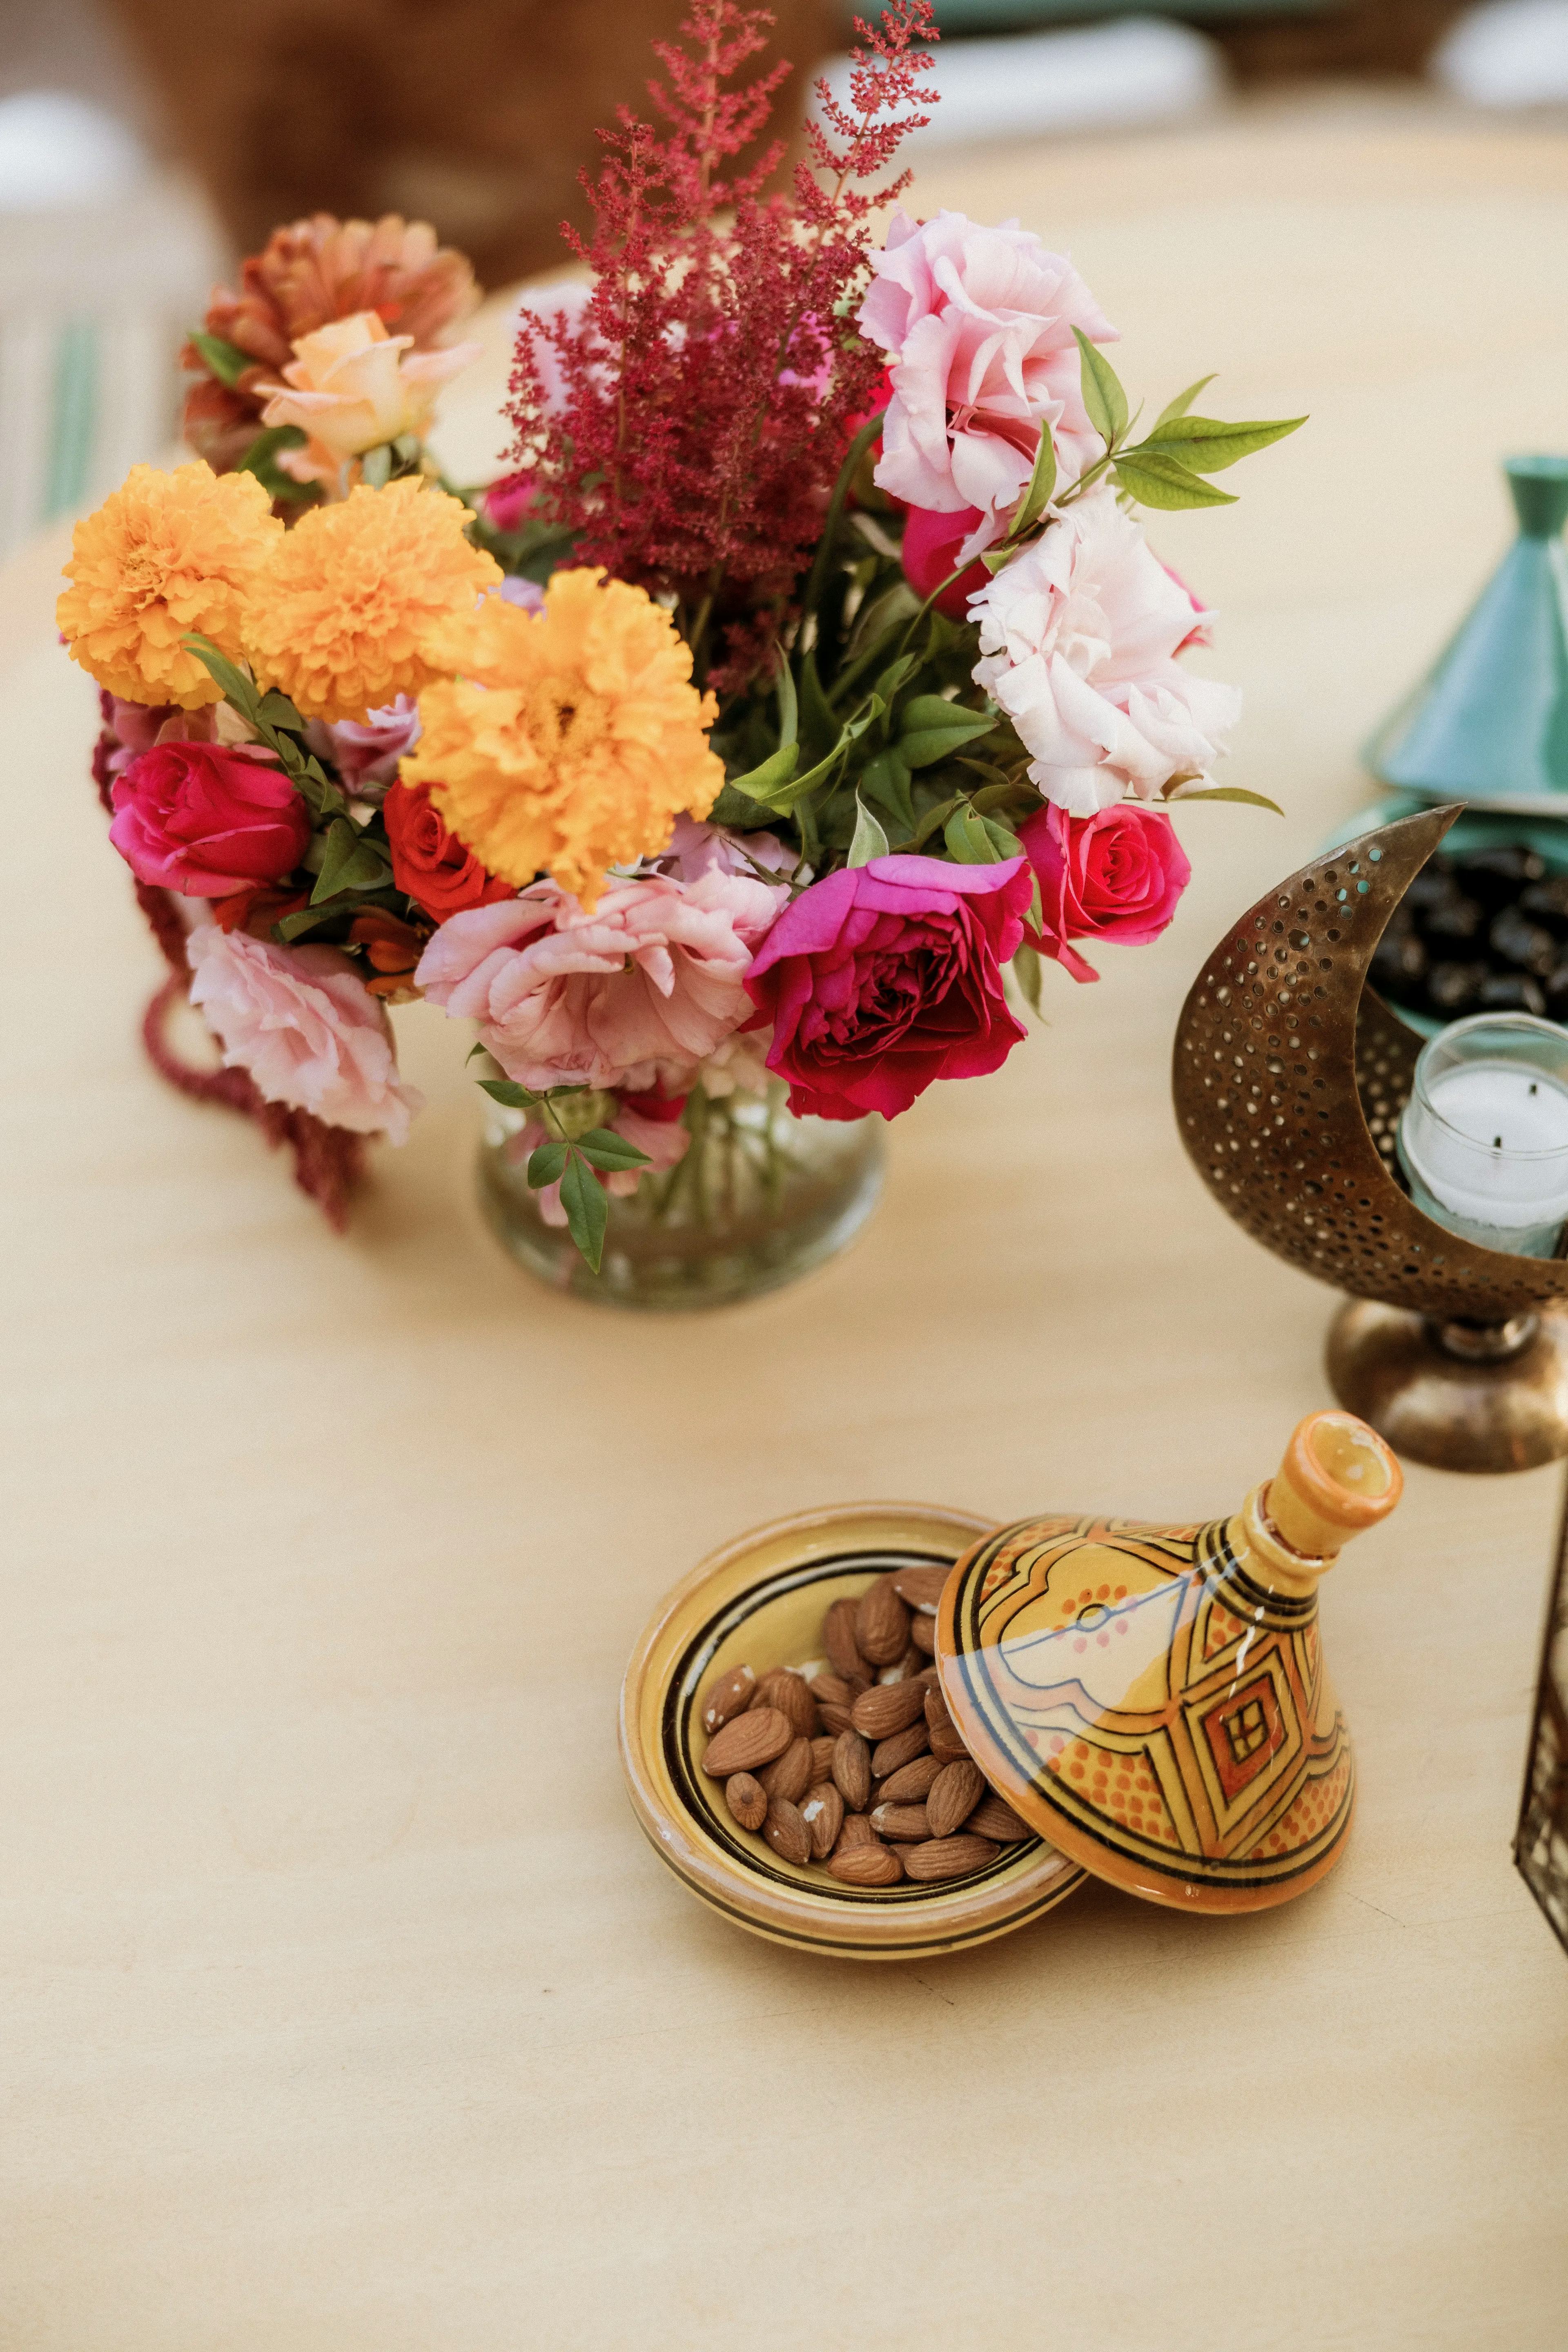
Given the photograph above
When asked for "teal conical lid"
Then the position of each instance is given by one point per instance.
(1490, 722)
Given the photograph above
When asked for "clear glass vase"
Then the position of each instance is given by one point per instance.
(760, 1197)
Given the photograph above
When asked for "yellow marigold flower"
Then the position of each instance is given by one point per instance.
(343, 616)
(573, 737)
(163, 555)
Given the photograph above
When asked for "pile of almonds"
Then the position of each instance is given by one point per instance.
(853, 1761)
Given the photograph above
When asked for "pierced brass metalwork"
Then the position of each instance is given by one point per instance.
(1290, 1077)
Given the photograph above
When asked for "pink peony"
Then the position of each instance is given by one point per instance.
(634, 995)
(882, 978)
(979, 321)
(1114, 875)
(204, 819)
(1078, 636)
(304, 1025)
(365, 751)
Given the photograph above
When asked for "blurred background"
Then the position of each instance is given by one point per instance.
(146, 145)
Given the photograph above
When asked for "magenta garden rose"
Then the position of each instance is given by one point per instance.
(883, 978)
(205, 819)
(1114, 875)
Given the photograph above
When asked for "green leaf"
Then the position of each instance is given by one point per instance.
(1003, 840)
(789, 705)
(236, 688)
(1027, 972)
(869, 840)
(883, 617)
(1181, 403)
(545, 1164)
(1226, 792)
(604, 1148)
(227, 361)
(261, 459)
(1207, 446)
(1037, 496)
(893, 676)
(1102, 395)
(351, 861)
(775, 769)
(934, 729)
(886, 780)
(933, 822)
(968, 838)
(818, 722)
(276, 710)
(376, 466)
(1156, 480)
(587, 1209)
(869, 432)
(507, 1092)
(740, 811)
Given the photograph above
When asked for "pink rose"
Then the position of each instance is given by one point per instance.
(931, 544)
(882, 978)
(1079, 639)
(365, 751)
(204, 819)
(1114, 876)
(634, 995)
(305, 1027)
(506, 503)
(980, 323)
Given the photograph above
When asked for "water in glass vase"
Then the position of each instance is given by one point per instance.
(758, 1198)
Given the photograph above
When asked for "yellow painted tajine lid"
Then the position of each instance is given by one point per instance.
(1152, 1699)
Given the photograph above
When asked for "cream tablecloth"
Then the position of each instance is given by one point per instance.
(344, 2005)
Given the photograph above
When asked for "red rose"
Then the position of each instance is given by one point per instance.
(880, 978)
(931, 542)
(207, 819)
(435, 870)
(1114, 876)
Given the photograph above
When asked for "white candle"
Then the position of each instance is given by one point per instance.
(1484, 1138)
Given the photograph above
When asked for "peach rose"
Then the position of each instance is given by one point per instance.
(351, 386)
(304, 1025)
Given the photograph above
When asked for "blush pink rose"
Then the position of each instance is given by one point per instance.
(979, 322)
(1114, 875)
(305, 1027)
(205, 819)
(365, 751)
(634, 995)
(880, 979)
(1079, 639)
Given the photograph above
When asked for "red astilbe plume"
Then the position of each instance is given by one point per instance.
(687, 420)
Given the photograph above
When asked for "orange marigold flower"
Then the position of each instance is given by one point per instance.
(343, 616)
(165, 554)
(572, 738)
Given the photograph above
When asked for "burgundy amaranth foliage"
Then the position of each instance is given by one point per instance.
(688, 421)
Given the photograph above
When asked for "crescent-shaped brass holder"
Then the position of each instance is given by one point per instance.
(1289, 1075)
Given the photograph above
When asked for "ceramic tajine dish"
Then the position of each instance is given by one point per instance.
(761, 1601)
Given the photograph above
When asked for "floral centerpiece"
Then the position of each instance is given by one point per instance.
(737, 760)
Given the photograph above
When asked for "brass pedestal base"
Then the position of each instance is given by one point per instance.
(1460, 1396)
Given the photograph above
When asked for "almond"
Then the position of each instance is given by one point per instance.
(790, 1693)
(790, 1777)
(823, 1813)
(857, 1831)
(953, 1857)
(900, 1822)
(993, 1818)
(921, 1587)
(822, 1749)
(922, 1635)
(832, 1687)
(748, 1741)
(945, 1743)
(887, 1707)
(838, 1641)
(836, 1719)
(882, 1623)
(902, 1668)
(747, 1800)
(910, 1785)
(730, 1695)
(892, 1755)
(787, 1833)
(852, 1769)
(955, 1793)
(867, 1865)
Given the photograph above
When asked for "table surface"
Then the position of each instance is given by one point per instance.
(344, 2006)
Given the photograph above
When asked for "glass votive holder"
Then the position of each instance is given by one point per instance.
(1484, 1137)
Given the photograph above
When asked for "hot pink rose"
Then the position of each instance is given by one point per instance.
(980, 324)
(204, 819)
(634, 995)
(882, 978)
(1115, 876)
(506, 503)
(931, 544)
(304, 1024)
